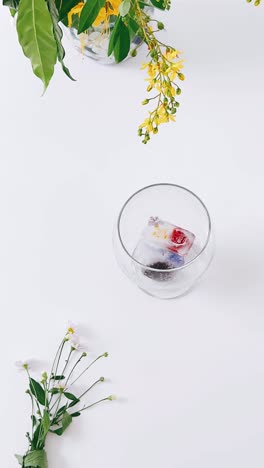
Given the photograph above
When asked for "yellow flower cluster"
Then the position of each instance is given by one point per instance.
(163, 69)
(111, 8)
(167, 68)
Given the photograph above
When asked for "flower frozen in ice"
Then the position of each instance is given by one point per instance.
(22, 365)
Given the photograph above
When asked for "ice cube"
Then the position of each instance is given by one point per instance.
(159, 259)
(151, 254)
(168, 236)
(162, 247)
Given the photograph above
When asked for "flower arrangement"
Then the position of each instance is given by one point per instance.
(53, 404)
(40, 36)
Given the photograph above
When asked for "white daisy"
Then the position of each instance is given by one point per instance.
(71, 330)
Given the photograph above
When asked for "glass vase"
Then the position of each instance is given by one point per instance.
(95, 41)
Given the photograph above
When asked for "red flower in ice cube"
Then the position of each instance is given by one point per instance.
(178, 237)
(181, 241)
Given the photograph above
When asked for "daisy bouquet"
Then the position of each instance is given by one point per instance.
(54, 406)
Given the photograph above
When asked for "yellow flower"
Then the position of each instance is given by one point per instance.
(172, 54)
(101, 18)
(147, 124)
(111, 8)
(160, 233)
(76, 10)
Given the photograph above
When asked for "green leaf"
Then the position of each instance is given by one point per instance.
(122, 45)
(54, 391)
(37, 391)
(114, 35)
(35, 34)
(73, 403)
(70, 396)
(36, 459)
(20, 459)
(75, 415)
(89, 14)
(58, 377)
(45, 424)
(61, 410)
(35, 438)
(64, 6)
(58, 36)
(66, 421)
(124, 7)
(34, 419)
(132, 24)
(11, 3)
(159, 4)
(59, 431)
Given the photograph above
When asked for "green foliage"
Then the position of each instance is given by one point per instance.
(89, 14)
(161, 4)
(36, 459)
(11, 3)
(34, 420)
(57, 377)
(114, 36)
(134, 27)
(71, 397)
(61, 410)
(75, 415)
(119, 41)
(37, 391)
(54, 390)
(122, 43)
(73, 403)
(36, 435)
(65, 6)
(66, 421)
(58, 36)
(45, 424)
(35, 34)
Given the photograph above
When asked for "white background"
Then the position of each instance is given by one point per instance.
(189, 372)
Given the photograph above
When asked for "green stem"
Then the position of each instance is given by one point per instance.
(86, 391)
(59, 399)
(75, 365)
(88, 367)
(93, 404)
(56, 356)
(32, 414)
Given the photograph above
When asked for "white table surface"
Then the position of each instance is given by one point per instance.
(190, 372)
